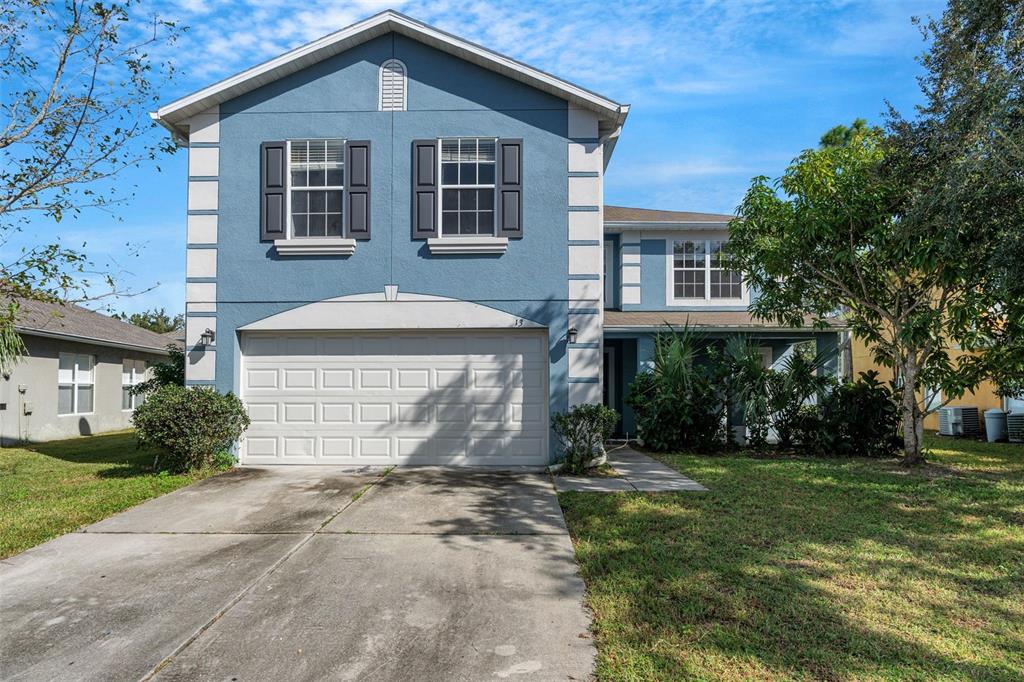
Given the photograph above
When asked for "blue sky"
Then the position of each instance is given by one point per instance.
(720, 92)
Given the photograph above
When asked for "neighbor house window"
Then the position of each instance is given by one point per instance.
(316, 176)
(75, 383)
(133, 372)
(700, 272)
(467, 186)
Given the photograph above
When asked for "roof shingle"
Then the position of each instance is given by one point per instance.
(74, 320)
(625, 214)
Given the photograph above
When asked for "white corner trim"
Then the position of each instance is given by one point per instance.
(467, 245)
(330, 246)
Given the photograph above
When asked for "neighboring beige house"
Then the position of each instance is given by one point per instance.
(75, 379)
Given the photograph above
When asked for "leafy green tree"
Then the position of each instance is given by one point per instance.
(73, 115)
(170, 373)
(841, 135)
(156, 320)
(907, 231)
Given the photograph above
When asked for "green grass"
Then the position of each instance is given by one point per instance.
(812, 569)
(49, 489)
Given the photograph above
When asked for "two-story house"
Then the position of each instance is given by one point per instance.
(398, 252)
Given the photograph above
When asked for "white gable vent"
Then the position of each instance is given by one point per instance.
(392, 85)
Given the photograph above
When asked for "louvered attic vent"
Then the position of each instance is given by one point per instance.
(392, 86)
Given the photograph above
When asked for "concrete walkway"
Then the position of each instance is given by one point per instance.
(638, 473)
(308, 573)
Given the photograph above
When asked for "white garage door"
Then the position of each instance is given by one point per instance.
(476, 398)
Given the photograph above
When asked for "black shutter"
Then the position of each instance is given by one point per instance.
(273, 166)
(510, 189)
(424, 189)
(357, 189)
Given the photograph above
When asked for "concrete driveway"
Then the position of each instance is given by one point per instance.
(308, 573)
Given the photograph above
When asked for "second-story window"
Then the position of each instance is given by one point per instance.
(467, 186)
(316, 174)
(700, 272)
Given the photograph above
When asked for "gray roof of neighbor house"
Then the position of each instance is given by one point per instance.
(73, 322)
(723, 320)
(625, 214)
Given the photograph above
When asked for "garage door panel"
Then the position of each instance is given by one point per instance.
(424, 398)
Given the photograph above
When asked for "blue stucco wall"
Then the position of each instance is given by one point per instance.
(446, 97)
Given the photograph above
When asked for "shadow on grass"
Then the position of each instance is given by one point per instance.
(808, 568)
(119, 449)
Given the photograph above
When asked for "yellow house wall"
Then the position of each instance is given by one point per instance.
(984, 397)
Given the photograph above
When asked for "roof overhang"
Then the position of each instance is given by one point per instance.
(63, 336)
(175, 116)
(626, 226)
(375, 312)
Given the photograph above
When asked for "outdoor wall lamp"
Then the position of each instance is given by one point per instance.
(571, 335)
(207, 338)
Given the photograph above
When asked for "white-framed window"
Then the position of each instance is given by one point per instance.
(316, 183)
(393, 83)
(75, 383)
(932, 397)
(468, 186)
(133, 372)
(699, 273)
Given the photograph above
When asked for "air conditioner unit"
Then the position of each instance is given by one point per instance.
(959, 421)
(1015, 427)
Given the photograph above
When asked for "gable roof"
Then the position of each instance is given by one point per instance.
(648, 216)
(75, 323)
(174, 116)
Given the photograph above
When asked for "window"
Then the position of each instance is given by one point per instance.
(316, 176)
(392, 86)
(699, 271)
(75, 384)
(467, 186)
(132, 372)
(932, 398)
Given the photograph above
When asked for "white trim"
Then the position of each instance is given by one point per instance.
(707, 301)
(315, 246)
(373, 312)
(174, 115)
(404, 103)
(454, 244)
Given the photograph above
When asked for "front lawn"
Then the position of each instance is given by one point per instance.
(812, 569)
(49, 489)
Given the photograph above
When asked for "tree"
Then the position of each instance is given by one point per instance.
(841, 135)
(170, 373)
(156, 320)
(905, 230)
(77, 88)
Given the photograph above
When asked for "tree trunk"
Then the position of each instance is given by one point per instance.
(913, 420)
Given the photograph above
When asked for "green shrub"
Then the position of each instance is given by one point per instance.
(582, 431)
(223, 460)
(861, 419)
(679, 404)
(191, 426)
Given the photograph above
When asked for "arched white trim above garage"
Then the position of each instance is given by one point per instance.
(374, 312)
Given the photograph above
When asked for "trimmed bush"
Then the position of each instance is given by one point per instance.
(582, 431)
(191, 426)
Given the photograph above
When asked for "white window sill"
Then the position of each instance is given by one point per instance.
(464, 245)
(315, 246)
